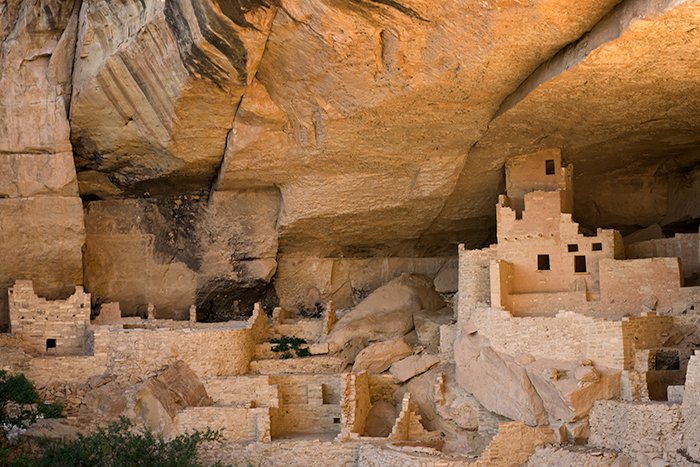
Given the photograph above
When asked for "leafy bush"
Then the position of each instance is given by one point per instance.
(120, 446)
(54, 410)
(18, 389)
(286, 344)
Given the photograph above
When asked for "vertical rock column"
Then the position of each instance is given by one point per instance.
(41, 216)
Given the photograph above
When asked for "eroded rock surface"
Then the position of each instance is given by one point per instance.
(176, 252)
(156, 86)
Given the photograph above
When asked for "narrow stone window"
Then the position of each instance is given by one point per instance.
(597, 247)
(543, 262)
(579, 263)
(336, 420)
(549, 166)
(573, 247)
(50, 344)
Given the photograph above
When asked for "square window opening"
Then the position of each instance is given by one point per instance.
(573, 247)
(549, 166)
(50, 344)
(543, 262)
(597, 247)
(579, 264)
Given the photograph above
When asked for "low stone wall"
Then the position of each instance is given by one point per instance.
(74, 370)
(288, 454)
(294, 389)
(308, 329)
(305, 418)
(683, 246)
(319, 364)
(644, 430)
(238, 423)
(139, 353)
(572, 336)
(240, 390)
(624, 284)
(561, 456)
(396, 456)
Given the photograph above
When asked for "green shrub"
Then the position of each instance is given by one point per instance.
(18, 389)
(286, 344)
(54, 410)
(120, 446)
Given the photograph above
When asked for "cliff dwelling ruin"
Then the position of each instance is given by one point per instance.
(356, 233)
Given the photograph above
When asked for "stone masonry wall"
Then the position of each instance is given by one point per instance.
(289, 454)
(240, 390)
(137, 353)
(645, 431)
(571, 336)
(238, 423)
(305, 418)
(514, 444)
(683, 246)
(54, 327)
(474, 280)
(624, 284)
(354, 403)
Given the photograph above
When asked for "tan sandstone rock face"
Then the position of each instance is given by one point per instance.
(371, 108)
(378, 357)
(407, 368)
(41, 221)
(156, 86)
(388, 311)
(108, 399)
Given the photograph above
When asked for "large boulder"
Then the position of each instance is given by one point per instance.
(183, 382)
(160, 398)
(380, 419)
(497, 381)
(378, 357)
(388, 311)
(107, 399)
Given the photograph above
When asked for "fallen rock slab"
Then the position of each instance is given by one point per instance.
(377, 358)
(497, 381)
(405, 369)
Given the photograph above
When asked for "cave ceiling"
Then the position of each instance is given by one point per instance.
(385, 125)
